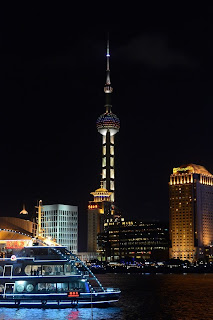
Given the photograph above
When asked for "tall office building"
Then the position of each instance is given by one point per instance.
(191, 212)
(102, 206)
(60, 222)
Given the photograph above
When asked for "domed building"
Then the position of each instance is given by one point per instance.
(98, 210)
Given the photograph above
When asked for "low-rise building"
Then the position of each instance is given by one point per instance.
(133, 240)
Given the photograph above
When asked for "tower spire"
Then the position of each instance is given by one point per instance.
(107, 88)
(108, 56)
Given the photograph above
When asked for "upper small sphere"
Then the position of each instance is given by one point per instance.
(108, 122)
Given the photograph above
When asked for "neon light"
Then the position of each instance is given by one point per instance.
(15, 244)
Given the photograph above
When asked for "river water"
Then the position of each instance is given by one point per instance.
(144, 297)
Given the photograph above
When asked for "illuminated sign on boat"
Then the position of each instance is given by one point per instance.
(73, 294)
(13, 244)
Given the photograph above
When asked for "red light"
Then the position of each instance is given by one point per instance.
(73, 294)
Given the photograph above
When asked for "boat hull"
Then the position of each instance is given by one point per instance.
(100, 299)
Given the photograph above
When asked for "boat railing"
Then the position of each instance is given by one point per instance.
(98, 289)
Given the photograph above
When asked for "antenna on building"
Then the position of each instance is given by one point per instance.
(39, 230)
(107, 87)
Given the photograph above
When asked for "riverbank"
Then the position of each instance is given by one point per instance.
(205, 268)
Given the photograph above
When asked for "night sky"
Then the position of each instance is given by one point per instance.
(53, 73)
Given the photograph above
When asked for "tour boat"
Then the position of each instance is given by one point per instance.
(41, 275)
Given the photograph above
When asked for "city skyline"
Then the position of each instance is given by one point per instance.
(161, 83)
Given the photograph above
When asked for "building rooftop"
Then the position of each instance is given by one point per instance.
(191, 168)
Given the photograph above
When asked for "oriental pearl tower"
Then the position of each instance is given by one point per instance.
(108, 124)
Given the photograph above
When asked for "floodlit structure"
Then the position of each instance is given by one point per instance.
(131, 239)
(102, 206)
(191, 212)
(60, 222)
(98, 210)
(108, 125)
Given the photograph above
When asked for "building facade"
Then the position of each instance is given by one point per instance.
(191, 212)
(133, 240)
(98, 210)
(19, 225)
(60, 222)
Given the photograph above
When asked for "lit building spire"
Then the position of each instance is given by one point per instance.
(107, 88)
(23, 211)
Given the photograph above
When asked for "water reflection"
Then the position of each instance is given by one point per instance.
(143, 297)
(65, 314)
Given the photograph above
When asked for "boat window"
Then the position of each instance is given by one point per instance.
(17, 270)
(41, 286)
(51, 287)
(62, 287)
(33, 270)
(73, 285)
(47, 287)
(59, 270)
(67, 269)
(48, 270)
(70, 268)
(1, 288)
(23, 286)
(40, 251)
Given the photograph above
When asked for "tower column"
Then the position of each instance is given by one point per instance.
(108, 124)
(108, 160)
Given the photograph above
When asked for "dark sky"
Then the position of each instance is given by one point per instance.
(53, 73)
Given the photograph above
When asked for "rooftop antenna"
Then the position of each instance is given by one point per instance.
(39, 230)
(108, 82)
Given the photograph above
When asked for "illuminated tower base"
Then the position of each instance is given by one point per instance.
(98, 210)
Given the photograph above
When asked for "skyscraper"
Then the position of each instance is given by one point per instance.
(191, 212)
(60, 222)
(108, 125)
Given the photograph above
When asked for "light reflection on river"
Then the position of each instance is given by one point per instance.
(144, 296)
(68, 314)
